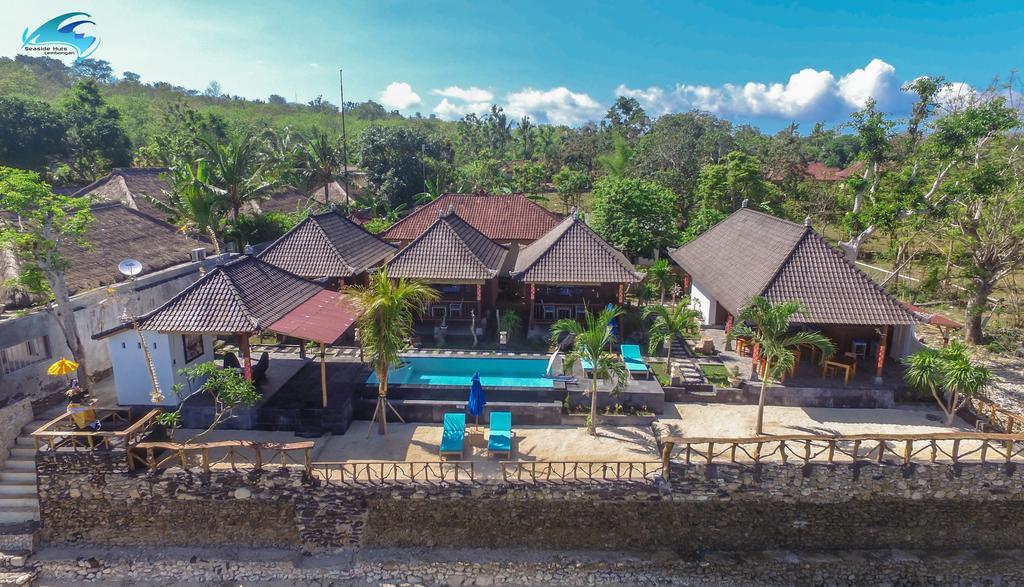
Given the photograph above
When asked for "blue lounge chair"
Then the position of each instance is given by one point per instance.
(501, 434)
(634, 360)
(454, 436)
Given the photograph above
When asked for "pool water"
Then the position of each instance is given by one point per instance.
(458, 372)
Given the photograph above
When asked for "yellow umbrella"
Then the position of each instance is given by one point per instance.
(62, 367)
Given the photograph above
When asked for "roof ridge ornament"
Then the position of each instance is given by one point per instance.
(807, 221)
(575, 212)
(745, 203)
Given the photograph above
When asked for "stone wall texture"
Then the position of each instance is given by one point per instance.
(93, 498)
(13, 417)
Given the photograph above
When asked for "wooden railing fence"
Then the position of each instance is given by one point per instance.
(1003, 419)
(229, 454)
(578, 470)
(395, 471)
(901, 449)
(61, 432)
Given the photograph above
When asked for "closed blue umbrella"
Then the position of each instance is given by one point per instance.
(614, 325)
(477, 401)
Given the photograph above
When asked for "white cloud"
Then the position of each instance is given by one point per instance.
(456, 110)
(399, 95)
(470, 94)
(554, 106)
(808, 95)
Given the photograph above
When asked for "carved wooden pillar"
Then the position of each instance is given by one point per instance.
(533, 294)
(243, 349)
(880, 359)
(622, 293)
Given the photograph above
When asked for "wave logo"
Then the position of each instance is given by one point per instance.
(58, 37)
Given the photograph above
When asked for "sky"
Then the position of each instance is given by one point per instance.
(559, 62)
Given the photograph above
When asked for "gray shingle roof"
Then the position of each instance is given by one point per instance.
(572, 253)
(449, 249)
(243, 295)
(327, 245)
(753, 254)
(130, 186)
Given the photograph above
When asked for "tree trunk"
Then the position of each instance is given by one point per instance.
(976, 310)
(327, 203)
(213, 239)
(65, 315)
(951, 414)
(592, 426)
(382, 400)
(669, 359)
(759, 430)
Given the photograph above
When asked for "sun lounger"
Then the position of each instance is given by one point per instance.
(501, 434)
(454, 436)
(634, 360)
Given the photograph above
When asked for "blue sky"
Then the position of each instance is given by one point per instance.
(561, 62)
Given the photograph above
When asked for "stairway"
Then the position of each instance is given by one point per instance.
(19, 502)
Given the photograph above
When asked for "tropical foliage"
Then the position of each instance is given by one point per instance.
(591, 340)
(949, 375)
(775, 339)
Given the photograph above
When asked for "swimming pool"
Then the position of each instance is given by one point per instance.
(457, 372)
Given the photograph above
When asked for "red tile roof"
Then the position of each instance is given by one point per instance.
(502, 217)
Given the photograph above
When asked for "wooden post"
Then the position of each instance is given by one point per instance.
(755, 360)
(686, 284)
(479, 300)
(530, 309)
(243, 349)
(880, 360)
(622, 293)
(323, 372)
(728, 329)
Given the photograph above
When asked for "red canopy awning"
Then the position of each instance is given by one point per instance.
(322, 318)
(934, 318)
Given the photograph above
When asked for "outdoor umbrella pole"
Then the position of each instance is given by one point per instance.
(323, 372)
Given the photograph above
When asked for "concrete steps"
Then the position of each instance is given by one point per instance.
(19, 501)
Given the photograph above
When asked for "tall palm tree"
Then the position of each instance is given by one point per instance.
(661, 275)
(385, 327)
(240, 170)
(322, 158)
(681, 321)
(948, 374)
(590, 343)
(771, 333)
(191, 205)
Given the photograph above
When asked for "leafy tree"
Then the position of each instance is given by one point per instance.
(95, 140)
(676, 148)
(239, 170)
(678, 322)
(525, 136)
(634, 214)
(948, 374)
(228, 389)
(323, 157)
(260, 228)
(131, 77)
(703, 219)
(483, 175)
(31, 133)
(529, 177)
(96, 69)
(191, 205)
(398, 161)
(176, 141)
(385, 327)
(628, 118)
(213, 90)
(724, 186)
(570, 185)
(772, 335)
(661, 275)
(277, 99)
(36, 225)
(591, 340)
(616, 162)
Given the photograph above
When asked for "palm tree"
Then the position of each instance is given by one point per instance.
(191, 205)
(385, 327)
(771, 333)
(681, 321)
(661, 275)
(322, 158)
(948, 374)
(590, 344)
(240, 170)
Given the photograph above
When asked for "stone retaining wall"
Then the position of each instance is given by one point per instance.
(92, 498)
(13, 417)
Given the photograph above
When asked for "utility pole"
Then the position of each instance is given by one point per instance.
(344, 135)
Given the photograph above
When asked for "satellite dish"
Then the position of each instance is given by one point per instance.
(129, 267)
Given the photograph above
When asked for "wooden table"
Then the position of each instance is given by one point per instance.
(848, 365)
(812, 351)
